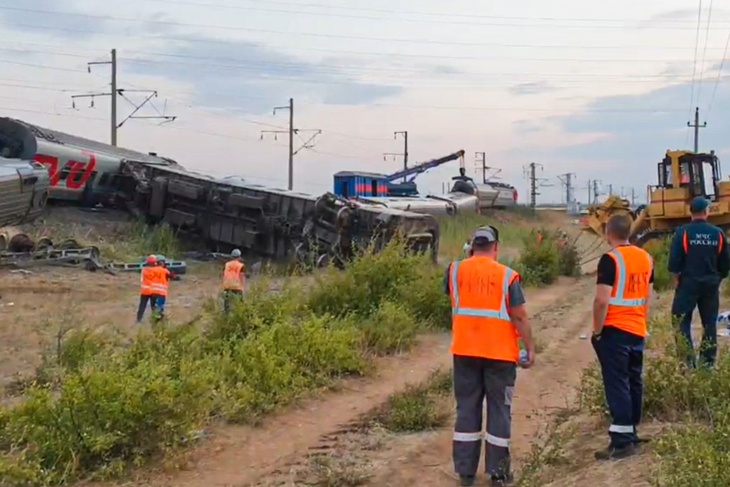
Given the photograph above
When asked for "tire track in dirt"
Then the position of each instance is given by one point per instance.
(238, 456)
(539, 392)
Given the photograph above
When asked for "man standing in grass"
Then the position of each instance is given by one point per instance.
(234, 280)
(699, 260)
(620, 311)
(488, 317)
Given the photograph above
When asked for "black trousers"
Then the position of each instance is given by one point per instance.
(143, 300)
(706, 298)
(621, 355)
(476, 380)
(229, 296)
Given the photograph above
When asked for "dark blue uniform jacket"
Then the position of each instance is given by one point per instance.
(699, 253)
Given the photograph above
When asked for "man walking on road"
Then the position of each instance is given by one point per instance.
(620, 311)
(699, 260)
(488, 317)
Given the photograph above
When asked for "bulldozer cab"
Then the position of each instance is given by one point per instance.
(698, 173)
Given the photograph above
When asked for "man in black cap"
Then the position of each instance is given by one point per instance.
(699, 259)
(488, 320)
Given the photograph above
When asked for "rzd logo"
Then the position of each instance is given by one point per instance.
(78, 172)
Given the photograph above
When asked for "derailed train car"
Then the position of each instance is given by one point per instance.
(80, 170)
(24, 189)
(225, 212)
(274, 223)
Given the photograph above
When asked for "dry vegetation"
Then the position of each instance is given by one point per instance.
(105, 396)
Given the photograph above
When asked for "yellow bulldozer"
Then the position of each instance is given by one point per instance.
(682, 176)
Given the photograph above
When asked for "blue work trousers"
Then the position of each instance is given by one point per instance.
(621, 356)
(706, 298)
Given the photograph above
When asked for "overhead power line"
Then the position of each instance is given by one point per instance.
(379, 53)
(541, 22)
(719, 73)
(694, 63)
(369, 69)
(219, 28)
(390, 12)
(704, 52)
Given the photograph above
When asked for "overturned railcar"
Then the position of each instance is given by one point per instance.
(273, 223)
(24, 189)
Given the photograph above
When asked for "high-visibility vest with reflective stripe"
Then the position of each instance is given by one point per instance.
(163, 281)
(232, 276)
(147, 280)
(631, 289)
(481, 325)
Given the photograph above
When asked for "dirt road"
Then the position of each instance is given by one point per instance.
(242, 456)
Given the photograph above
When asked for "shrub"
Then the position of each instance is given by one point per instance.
(282, 362)
(389, 330)
(109, 411)
(109, 405)
(660, 253)
(695, 452)
(377, 277)
(419, 407)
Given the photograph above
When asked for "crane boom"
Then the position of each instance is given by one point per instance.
(423, 167)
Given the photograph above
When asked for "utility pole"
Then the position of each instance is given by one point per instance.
(610, 189)
(531, 172)
(595, 190)
(633, 197)
(403, 154)
(588, 201)
(292, 132)
(567, 180)
(115, 91)
(481, 159)
(697, 128)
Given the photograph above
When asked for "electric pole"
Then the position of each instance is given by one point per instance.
(595, 190)
(588, 201)
(697, 128)
(633, 197)
(115, 91)
(610, 189)
(531, 172)
(292, 132)
(403, 154)
(481, 159)
(567, 180)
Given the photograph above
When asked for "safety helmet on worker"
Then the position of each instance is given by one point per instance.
(236, 253)
(161, 258)
(151, 259)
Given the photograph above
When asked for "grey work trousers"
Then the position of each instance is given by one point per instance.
(474, 379)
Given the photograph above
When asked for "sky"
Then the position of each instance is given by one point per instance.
(600, 90)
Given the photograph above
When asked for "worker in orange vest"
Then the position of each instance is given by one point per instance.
(163, 278)
(620, 310)
(149, 287)
(234, 280)
(488, 320)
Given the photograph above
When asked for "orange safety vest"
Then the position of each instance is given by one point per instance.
(232, 276)
(627, 306)
(163, 281)
(480, 321)
(148, 281)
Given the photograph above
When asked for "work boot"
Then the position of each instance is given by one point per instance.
(501, 480)
(467, 480)
(616, 453)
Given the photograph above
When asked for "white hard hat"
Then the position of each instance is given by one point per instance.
(236, 253)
